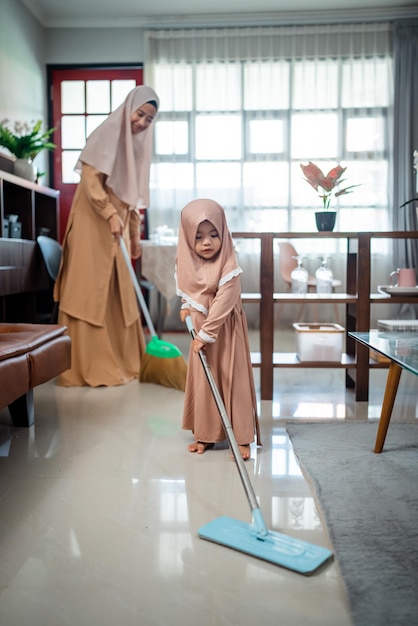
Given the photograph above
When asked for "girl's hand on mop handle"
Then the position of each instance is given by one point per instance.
(184, 314)
(197, 344)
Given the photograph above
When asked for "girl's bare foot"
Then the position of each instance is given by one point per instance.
(199, 446)
(245, 451)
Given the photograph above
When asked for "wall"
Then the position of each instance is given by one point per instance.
(26, 48)
(97, 46)
(22, 68)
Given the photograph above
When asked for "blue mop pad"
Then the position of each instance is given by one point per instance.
(280, 549)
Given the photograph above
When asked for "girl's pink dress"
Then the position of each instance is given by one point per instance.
(212, 291)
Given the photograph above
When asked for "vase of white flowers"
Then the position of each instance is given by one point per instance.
(25, 142)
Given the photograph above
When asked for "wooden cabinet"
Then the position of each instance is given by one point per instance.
(37, 207)
(23, 278)
(357, 301)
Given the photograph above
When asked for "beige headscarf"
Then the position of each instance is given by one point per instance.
(125, 158)
(199, 279)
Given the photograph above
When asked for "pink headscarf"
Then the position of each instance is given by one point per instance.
(125, 158)
(199, 279)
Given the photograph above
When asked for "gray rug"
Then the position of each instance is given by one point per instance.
(370, 505)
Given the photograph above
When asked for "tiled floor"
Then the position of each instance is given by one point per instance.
(101, 503)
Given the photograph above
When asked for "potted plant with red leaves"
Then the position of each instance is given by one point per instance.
(326, 187)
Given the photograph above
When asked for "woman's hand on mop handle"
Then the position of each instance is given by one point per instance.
(116, 226)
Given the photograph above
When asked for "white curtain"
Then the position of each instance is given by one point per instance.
(406, 135)
(242, 108)
(405, 144)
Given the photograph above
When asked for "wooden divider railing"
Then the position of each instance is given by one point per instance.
(357, 301)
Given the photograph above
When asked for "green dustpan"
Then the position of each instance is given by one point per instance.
(162, 349)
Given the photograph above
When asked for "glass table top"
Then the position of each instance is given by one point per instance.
(401, 347)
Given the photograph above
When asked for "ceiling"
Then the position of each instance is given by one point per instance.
(123, 13)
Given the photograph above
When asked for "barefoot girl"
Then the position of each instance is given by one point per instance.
(208, 282)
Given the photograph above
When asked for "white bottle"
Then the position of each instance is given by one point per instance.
(324, 278)
(299, 277)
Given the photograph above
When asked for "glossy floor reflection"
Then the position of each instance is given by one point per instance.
(101, 503)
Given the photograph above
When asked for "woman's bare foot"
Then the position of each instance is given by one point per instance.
(245, 451)
(199, 446)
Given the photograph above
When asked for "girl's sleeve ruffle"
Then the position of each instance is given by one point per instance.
(190, 303)
(225, 279)
(205, 337)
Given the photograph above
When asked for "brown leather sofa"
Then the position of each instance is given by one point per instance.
(30, 355)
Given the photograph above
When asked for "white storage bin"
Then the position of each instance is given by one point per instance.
(319, 342)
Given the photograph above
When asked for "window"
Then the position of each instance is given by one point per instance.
(238, 129)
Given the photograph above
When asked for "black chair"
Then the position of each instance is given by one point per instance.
(51, 251)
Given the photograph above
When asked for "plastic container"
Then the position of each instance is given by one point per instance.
(319, 342)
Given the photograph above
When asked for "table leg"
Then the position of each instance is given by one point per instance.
(392, 383)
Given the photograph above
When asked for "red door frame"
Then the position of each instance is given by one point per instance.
(57, 74)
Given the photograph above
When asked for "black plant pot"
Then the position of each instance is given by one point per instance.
(325, 220)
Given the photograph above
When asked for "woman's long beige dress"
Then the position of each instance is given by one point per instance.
(96, 296)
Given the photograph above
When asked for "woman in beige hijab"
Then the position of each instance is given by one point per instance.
(208, 282)
(96, 297)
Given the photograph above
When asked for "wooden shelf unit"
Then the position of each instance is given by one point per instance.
(357, 300)
(37, 207)
(24, 282)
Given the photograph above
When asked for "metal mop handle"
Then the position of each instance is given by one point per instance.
(137, 288)
(250, 493)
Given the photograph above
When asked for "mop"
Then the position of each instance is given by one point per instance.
(255, 539)
(162, 363)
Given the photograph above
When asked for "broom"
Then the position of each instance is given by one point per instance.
(162, 363)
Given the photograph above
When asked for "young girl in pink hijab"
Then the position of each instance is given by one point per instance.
(96, 297)
(208, 282)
